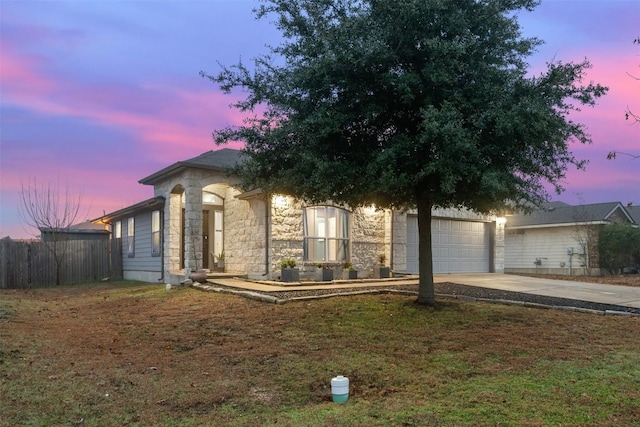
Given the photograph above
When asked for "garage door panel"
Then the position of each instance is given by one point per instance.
(458, 246)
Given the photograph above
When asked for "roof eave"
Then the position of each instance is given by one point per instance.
(145, 205)
(251, 194)
(175, 169)
(555, 225)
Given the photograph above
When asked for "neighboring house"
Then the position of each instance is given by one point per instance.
(560, 238)
(199, 212)
(82, 231)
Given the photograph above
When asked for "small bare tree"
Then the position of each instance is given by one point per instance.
(628, 115)
(52, 211)
(586, 237)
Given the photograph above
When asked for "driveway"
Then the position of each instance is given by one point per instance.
(626, 296)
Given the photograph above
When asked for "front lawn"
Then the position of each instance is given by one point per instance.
(138, 355)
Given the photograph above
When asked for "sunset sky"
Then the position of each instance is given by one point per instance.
(99, 94)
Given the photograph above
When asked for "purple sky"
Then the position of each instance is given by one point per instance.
(100, 94)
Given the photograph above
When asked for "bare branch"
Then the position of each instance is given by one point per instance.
(47, 206)
(631, 115)
(613, 154)
(52, 211)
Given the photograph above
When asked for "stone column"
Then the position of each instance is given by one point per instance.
(172, 234)
(498, 258)
(399, 241)
(193, 228)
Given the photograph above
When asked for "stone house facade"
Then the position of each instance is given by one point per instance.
(202, 214)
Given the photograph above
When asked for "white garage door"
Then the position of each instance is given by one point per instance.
(458, 246)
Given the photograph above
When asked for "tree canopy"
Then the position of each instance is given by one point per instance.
(407, 104)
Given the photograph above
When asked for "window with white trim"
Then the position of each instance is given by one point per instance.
(155, 233)
(117, 230)
(131, 238)
(326, 234)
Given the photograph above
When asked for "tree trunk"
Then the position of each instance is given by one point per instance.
(426, 290)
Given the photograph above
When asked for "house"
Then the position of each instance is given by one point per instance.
(199, 212)
(82, 231)
(559, 238)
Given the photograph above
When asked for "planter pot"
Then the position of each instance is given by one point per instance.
(349, 274)
(382, 272)
(290, 274)
(220, 265)
(324, 275)
(199, 276)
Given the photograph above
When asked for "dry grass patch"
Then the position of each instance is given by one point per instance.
(130, 354)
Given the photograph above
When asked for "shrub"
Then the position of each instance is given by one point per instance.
(619, 247)
(288, 263)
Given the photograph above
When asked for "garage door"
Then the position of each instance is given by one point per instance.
(458, 246)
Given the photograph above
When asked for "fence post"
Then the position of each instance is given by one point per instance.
(4, 262)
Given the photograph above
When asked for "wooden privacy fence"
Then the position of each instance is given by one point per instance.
(32, 265)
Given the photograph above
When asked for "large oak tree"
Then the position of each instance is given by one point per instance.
(406, 104)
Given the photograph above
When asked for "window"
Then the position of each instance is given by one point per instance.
(117, 232)
(155, 233)
(130, 237)
(326, 234)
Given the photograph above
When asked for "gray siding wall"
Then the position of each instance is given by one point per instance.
(142, 259)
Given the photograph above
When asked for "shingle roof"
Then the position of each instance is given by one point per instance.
(220, 160)
(556, 213)
(634, 211)
(223, 159)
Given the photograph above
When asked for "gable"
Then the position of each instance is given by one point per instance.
(219, 160)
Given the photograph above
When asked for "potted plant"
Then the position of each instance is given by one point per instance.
(288, 270)
(348, 271)
(324, 273)
(193, 269)
(220, 261)
(382, 271)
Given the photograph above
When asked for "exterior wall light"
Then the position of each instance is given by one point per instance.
(501, 220)
(369, 210)
(280, 201)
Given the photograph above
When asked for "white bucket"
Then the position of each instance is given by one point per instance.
(340, 389)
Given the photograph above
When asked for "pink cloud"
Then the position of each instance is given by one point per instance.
(163, 118)
(18, 73)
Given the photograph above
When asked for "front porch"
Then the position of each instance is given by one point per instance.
(280, 292)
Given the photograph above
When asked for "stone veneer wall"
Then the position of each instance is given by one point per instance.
(369, 239)
(286, 234)
(399, 228)
(244, 235)
(499, 248)
(367, 232)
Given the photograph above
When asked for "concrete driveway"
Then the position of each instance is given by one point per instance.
(626, 296)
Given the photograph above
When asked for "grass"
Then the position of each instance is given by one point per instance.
(137, 355)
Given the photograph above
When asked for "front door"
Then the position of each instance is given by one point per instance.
(212, 237)
(205, 240)
(218, 238)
